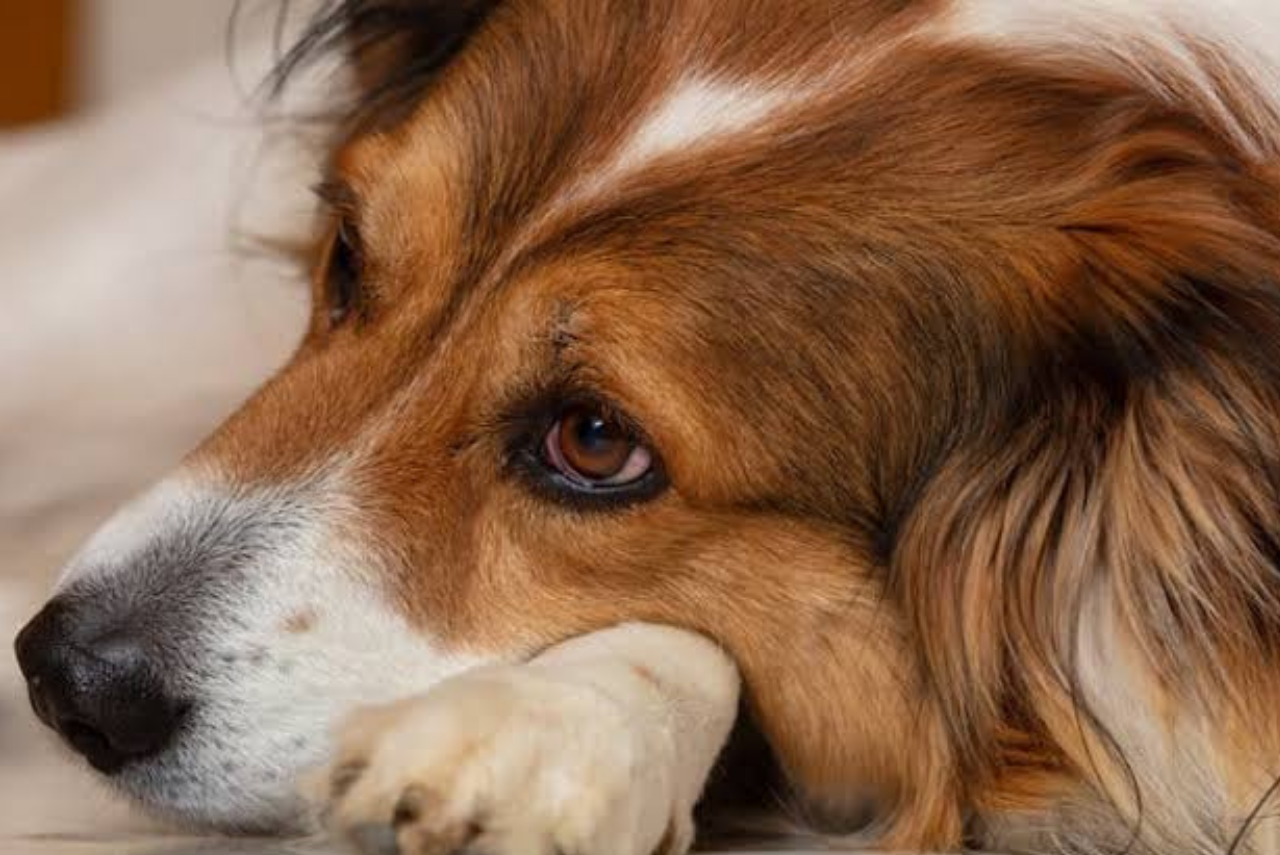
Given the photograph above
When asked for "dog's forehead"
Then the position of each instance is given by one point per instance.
(558, 110)
(624, 197)
(698, 190)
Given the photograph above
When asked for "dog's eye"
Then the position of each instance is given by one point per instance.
(342, 275)
(592, 450)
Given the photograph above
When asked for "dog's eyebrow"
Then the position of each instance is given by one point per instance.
(563, 333)
(337, 194)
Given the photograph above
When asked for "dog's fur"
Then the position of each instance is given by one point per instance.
(956, 326)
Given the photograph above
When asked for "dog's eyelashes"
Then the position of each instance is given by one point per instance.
(343, 272)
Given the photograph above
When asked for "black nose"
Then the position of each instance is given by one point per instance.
(96, 687)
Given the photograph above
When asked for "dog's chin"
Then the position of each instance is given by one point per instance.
(282, 817)
(203, 783)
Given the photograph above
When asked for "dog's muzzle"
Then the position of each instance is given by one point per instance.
(203, 645)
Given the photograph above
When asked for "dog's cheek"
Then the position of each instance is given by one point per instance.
(313, 635)
(802, 611)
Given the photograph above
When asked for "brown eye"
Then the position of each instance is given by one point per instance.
(593, 450)
(343, 274)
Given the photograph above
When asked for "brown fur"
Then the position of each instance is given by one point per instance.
(938, 360)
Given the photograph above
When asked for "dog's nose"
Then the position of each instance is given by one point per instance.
(96, 688)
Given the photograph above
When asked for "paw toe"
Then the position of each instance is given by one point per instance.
(413, 803)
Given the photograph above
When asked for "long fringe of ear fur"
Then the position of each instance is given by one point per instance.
(1097, 584)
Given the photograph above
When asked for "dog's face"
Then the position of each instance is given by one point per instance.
(576, 357)
(672, 313)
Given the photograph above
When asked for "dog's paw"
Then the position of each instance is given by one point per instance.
(508, 761)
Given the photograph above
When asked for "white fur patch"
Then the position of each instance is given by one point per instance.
(300, 634)
(132, 527)
(1251, 23)
(1131, 35)
(1047, 15)
(699, 110)
(274, 697)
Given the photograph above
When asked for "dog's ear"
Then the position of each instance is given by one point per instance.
(1107, 546)
(394, 48)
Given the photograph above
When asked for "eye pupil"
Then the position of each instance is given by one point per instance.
(594, 446)
(594, 435)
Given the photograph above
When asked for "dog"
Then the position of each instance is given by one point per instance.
(871, 403)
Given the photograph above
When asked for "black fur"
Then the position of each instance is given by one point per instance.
(396, 46)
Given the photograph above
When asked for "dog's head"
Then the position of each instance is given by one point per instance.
(809, 326)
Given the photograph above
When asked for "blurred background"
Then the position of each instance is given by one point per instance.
(137, 184)
(63, 56)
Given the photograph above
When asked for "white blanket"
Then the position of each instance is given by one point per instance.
(131, 321)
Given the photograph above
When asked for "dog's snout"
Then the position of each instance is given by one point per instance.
(97, 688)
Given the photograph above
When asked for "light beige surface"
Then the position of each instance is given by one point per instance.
(97, 844)
(126, 44)
(133, 322)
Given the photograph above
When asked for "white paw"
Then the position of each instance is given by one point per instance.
(508, 761)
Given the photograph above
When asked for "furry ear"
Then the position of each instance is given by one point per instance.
(395, 48)
(1095, 578)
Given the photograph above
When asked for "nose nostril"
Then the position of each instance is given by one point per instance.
(38, 703)
(93, 744)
